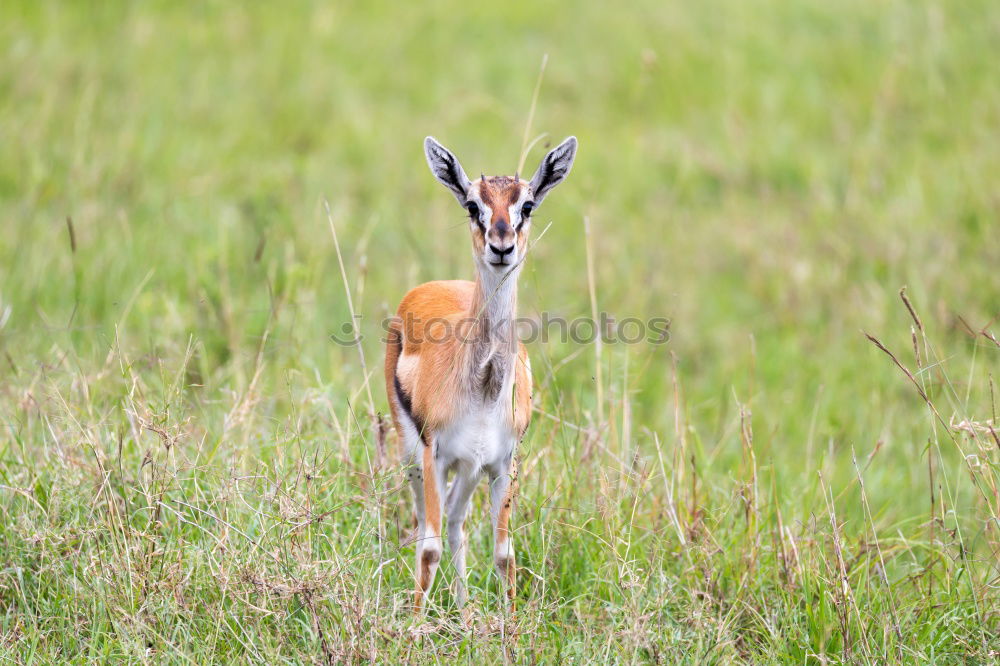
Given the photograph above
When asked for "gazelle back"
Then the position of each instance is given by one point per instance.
(457, 378)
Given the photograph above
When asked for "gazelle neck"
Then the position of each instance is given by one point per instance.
(494, 306)
(490, 363)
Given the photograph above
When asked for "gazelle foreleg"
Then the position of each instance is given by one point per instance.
(503, 488)
(457, 509)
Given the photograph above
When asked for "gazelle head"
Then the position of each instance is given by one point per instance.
(500, 207)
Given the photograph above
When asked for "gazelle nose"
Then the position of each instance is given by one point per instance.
(501, 253)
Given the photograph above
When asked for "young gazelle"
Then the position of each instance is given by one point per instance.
(458, 381)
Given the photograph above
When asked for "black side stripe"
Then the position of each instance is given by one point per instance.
(404, 400)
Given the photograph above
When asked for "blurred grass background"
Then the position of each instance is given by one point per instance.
(187, 467)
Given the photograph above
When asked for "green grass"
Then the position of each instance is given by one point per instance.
(187, 468)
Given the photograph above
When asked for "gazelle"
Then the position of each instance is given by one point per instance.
(457, 378)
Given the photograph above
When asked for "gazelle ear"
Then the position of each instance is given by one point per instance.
(553, 168)
(445, 167)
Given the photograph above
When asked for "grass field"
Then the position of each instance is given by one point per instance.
(188, 470)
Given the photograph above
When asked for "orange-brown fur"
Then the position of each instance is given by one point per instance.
(421, 322)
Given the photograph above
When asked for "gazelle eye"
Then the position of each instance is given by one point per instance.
(525, 213)
(473, 209)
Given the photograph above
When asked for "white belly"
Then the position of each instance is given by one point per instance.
(480, 438)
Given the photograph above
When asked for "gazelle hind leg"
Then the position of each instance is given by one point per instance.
(416, 478)
(429, 538)
(503, 488)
